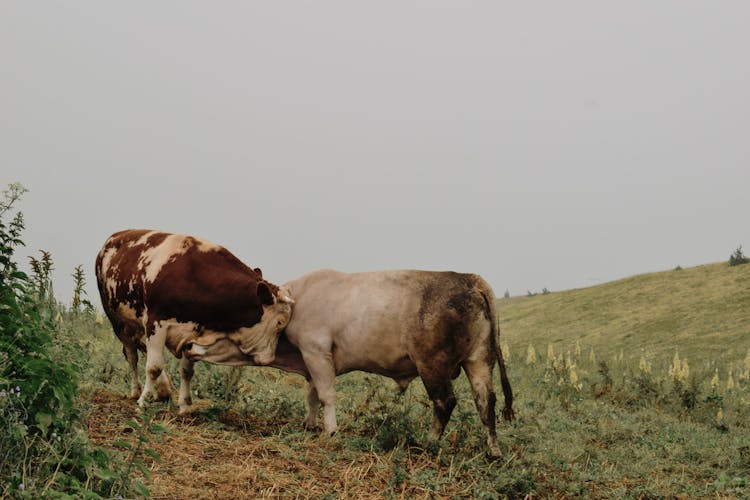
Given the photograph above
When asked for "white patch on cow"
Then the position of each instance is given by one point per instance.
(142, 240)
(111, 285)
(154, 258)
(206, 246)
(107, 259)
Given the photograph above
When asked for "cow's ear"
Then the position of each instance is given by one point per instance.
(258, 272)
(264, 293)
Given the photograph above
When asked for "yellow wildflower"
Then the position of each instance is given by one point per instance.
(530, 355)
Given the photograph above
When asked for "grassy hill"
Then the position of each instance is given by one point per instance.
(584, 428)
(703, 312)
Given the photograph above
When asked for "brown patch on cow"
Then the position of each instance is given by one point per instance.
(154, 372)
(212, 288)
(221, 301)
(447, 300)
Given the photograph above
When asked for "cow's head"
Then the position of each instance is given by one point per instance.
(248, 345)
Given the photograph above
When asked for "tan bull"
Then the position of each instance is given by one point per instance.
(401, 324)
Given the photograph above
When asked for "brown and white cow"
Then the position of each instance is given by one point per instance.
(168, 289)
(401, 324)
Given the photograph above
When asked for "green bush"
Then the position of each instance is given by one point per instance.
(737, 258)
(44, 450)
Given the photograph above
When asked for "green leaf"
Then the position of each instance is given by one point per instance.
(122, 444)
(43, 421)
(153, 454)
(141, 488)
(142, 467)
(157, 429)
(105, 474)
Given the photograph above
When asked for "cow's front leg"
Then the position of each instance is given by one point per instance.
(156, 378)
(186, 374)
(323, 377)
(313, 405)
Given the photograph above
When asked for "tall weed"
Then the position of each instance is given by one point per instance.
(44, 449)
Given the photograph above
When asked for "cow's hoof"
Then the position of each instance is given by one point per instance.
(185, 410)
(311, 427)
(494, 453)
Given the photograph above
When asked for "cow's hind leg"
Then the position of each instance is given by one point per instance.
(129, 336)
(131, 354)
(156, 378)
(479, 374)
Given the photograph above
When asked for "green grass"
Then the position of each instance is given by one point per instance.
(703, 312)
(630, 434)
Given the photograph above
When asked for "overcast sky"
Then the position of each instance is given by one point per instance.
(541, 144)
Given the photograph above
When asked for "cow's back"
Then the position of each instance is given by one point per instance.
(178, 277)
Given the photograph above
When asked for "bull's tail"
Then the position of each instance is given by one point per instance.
(489, 300)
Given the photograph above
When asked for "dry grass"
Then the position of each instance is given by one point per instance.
(240, 457)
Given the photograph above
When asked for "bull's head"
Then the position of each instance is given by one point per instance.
(248, 345)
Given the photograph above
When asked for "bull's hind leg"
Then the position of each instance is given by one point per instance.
(440, 390)
(479, 374)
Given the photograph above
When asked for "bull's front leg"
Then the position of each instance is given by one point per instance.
(322, 379)
(156, 378)
(186, 374)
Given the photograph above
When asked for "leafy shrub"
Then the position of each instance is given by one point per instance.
(26, 336)
(44, 450)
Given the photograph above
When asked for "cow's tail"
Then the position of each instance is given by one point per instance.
(489, 300)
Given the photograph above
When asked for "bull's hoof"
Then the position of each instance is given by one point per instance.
(493, 453)
(311, 427)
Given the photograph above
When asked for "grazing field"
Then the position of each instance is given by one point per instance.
(636, 388)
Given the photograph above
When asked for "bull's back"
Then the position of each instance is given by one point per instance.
(377, 321)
